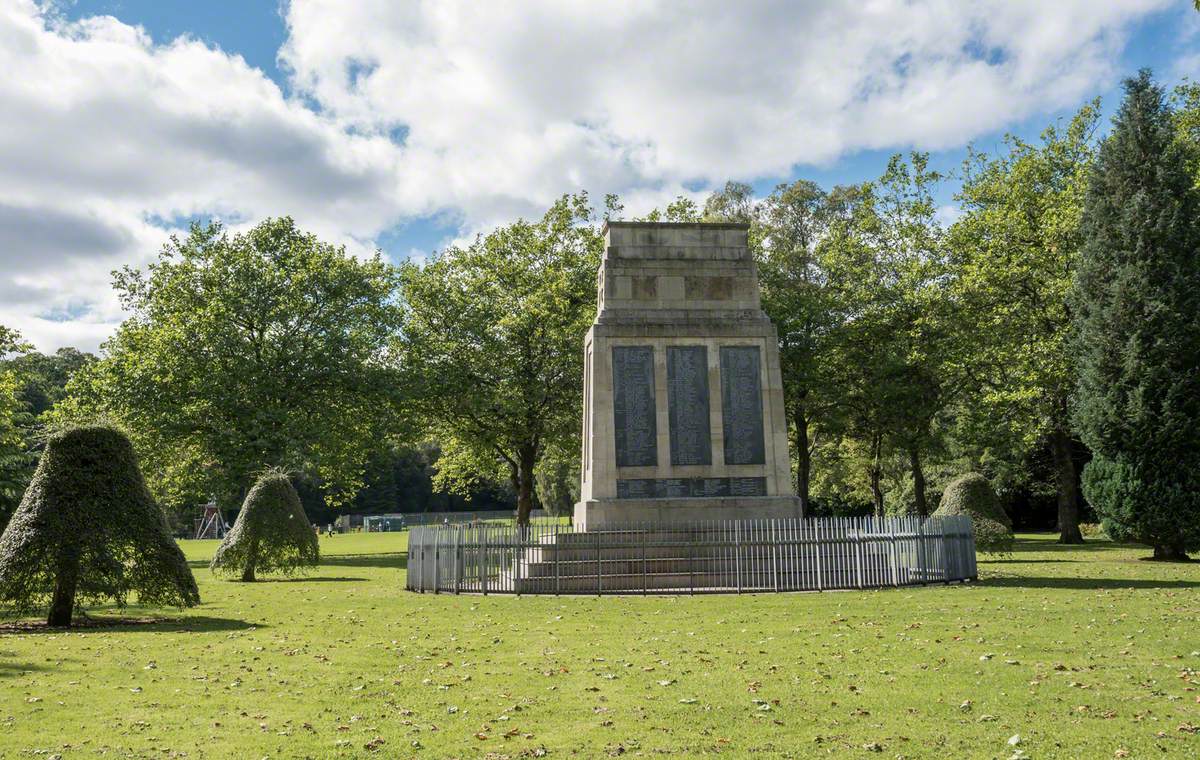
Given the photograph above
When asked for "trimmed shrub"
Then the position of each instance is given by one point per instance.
(1093, 530)
(87, 530)
(972, 495)
(271, 534)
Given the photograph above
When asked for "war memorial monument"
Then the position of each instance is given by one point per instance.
(683, 415)
(685, 479)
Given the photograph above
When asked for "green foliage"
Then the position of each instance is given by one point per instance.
(972, 495)
(785, 229)
(558, 480)
(44, 377)
(271, 534)
(492, 344)
(16, 464)
(1137, 303)
(88, 530)
(265, 348)
(891, 353)
(1093, 530)
(1186, 114)
(1016, 248)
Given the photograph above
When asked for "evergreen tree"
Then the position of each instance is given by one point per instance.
(87, 530)
(1137, 296)
(271, 533)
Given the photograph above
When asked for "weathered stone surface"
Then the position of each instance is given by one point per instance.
(683, 410)
(689, 488)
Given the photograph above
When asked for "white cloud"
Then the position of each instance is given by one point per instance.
(507, 104)
(104, 132)
(477, 112)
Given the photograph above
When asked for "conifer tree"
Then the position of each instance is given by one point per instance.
(1137, 316)
(271, 534)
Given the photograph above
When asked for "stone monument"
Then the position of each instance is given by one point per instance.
(683, 415)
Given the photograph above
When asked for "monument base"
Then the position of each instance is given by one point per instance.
(596, 514)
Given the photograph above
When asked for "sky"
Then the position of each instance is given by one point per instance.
(407, 126)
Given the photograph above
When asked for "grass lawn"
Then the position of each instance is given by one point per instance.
(1082, 652)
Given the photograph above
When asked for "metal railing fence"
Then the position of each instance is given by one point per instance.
(706, 557)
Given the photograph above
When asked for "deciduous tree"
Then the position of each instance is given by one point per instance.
(88, 530)
(492, 345)
(1015, 249)
(15, 461)
(272, 533)
(250, 350)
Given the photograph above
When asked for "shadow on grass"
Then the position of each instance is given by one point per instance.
(315, 579)
(1086, 584)
(119, 624)
(985, 560)
(10, 668)
(1050, 544)
(396, 560)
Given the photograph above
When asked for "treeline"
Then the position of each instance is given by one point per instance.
(1039, 330)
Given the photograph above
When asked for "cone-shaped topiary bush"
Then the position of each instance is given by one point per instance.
(972, 495)
(88, 530)
(271, 534)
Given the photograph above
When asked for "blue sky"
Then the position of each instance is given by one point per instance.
(405, 126)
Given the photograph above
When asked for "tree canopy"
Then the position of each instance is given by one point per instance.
(1016, 248)
(15, 461)
(250, 350)
(271, 534)
(492, 344)
(87, 531)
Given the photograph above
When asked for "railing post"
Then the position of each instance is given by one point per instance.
(858, 552)
(774, 556)
(691, 547)
(922, 559)
(483, 558)
(598, 581)
(815, 542)
(437, 564)
(737, 553)
(895, 559)
(645, 565)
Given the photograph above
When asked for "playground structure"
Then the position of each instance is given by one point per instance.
(211, 524)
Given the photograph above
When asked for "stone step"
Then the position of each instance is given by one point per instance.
(636, 565)
(637, 582)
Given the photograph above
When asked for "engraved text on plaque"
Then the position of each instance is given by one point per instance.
(687, 402)
(741, 399)
(633, 406)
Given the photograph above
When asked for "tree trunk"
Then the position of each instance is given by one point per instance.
(62, 606)
(1166, 553)
(251, 562)
(527, 459)
(918, 475)
(877, 475)
(803, 460)
(1068, 485)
